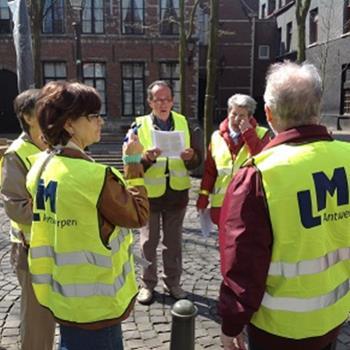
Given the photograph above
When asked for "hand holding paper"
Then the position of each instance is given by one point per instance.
(153, 154)
(187, 154)
(171, 143)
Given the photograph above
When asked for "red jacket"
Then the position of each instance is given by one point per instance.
(255, 145)
(245, 248)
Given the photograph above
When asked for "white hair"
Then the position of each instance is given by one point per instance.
(293, 93)
(243, 101)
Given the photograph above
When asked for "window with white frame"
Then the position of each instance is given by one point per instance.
(169, 17)
(94, 74)
(53, 17)
(93, 18)
(54, 71)
(264, 52)
(313, 25)
(346, 19)
(345, 90)
(289, 35)
(5, 18)
(133, 12)
(272, 6)
(170, 72)
(133, 89)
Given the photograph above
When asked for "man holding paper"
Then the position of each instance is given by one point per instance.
(169, 154)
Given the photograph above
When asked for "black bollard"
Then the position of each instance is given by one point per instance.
(182, 326)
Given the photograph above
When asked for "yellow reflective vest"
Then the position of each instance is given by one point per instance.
(307, 192)
(225, 166)
(74, 273)
(156, 175)
(24, 150)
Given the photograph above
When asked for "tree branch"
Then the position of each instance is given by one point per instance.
(191, 22)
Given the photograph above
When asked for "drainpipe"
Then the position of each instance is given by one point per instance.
(252, 53)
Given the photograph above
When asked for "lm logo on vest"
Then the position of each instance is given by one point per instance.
(338, 185)
(43, 194)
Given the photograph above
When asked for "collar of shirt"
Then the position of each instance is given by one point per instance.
(26, 137)
(160, 124)
(71, 146)
(234, 134)
(306, 133)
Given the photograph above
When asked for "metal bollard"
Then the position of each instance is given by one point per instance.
(182, 326)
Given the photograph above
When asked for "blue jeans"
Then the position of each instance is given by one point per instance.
(74, 338)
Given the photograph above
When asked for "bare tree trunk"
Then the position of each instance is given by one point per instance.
(301, 10)
(301, 43)
(211, 72)
(36, 18)
(182, 54)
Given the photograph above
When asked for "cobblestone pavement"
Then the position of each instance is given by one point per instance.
(148, 327)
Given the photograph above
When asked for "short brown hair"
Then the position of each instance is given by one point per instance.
(24, 104)
(158, 83)
(60, 101)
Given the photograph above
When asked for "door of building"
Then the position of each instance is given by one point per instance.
(8, 92)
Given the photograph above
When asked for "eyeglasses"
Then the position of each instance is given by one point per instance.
(92, 116)
(162, 100)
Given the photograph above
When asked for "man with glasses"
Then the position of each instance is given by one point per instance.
(167, 182)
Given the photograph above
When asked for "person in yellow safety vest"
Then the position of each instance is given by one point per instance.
(167, 182)
(238, 137)
(80, 257)
(284, 228)
(37, 326)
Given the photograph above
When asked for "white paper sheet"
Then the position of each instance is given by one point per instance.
(207, 225)
(171, 143)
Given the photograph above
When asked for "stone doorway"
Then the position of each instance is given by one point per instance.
(8, 92)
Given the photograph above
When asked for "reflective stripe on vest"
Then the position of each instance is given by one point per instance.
(225, 166)
(85, 290)
(309, 266)
(135, 182)
(82, 257)
(23, 149)
(309, 304)
(155, 176)
(308, 284)
(74, 274)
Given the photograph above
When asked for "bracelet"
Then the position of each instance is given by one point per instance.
(133, 158)
(204, 192)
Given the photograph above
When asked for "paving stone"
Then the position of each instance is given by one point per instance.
(8, 332)
(136, 344)
(145, 327)
(8, 340)
(152, 343)
(149, 334)
(341, 346)
(131, 335)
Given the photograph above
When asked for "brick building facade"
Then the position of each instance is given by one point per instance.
(127, 44)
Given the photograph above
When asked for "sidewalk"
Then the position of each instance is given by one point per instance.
(148, 327)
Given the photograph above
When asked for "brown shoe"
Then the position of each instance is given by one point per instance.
(145, 296)
(177, 292)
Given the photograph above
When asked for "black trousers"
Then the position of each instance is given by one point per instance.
(253, 346)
